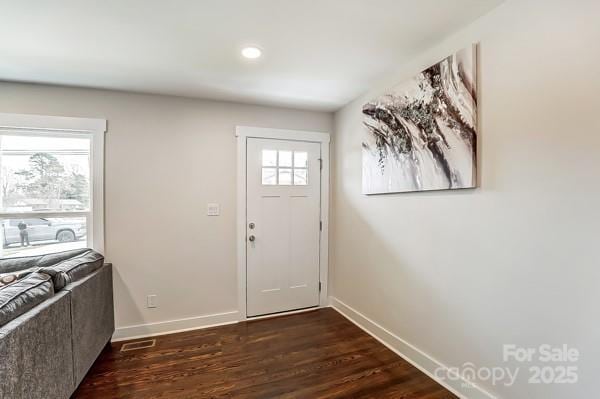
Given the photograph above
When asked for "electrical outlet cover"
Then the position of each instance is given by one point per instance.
(152, 301)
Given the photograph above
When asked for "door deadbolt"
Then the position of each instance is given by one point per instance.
(251, 225)
(251, 238)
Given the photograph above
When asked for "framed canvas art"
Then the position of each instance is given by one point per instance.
(422, 134)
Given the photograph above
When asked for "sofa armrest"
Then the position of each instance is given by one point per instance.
(92, 318)
(36, 355)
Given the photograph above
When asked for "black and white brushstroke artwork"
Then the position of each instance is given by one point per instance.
(422, 134)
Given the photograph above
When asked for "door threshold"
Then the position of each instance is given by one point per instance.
(284, 313)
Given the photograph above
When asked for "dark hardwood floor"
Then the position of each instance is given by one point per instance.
(317, 354)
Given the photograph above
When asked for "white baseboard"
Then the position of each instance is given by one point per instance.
(174, 326)
(460, 387)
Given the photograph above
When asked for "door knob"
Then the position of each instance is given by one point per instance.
(251, 238)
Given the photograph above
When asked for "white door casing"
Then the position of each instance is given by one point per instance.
(296, 285)
(283, 215)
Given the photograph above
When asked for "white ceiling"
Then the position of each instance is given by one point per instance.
(318, 54)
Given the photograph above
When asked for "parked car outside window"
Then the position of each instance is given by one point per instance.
(42, 229)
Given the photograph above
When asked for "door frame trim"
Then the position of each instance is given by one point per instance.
(243, 133)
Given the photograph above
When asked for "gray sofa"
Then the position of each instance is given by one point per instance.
(46, 351)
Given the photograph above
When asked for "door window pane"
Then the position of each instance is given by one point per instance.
(300, 177)
(269, 158)
(284, 167)
(285, 176)
(269, 176)
(300, 159)
(285, 158)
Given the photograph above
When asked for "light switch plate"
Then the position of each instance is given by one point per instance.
(213, 209)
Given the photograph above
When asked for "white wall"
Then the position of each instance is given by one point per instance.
(460, 273)
(166, 158)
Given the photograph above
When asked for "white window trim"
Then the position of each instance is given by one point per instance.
(68, 126)
(243, 133)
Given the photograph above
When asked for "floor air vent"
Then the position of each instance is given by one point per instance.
(131, 346)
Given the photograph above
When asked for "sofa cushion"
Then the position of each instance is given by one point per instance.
(12, 277)
(21, 296)
(73, 268)
(26, 262)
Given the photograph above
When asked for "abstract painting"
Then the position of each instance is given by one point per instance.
(422, 134)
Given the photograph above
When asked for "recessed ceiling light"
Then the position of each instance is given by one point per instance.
(251, 52)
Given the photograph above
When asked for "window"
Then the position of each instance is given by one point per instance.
(284, 168)
(50, 184)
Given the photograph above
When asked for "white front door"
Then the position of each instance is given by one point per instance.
(282, 226)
